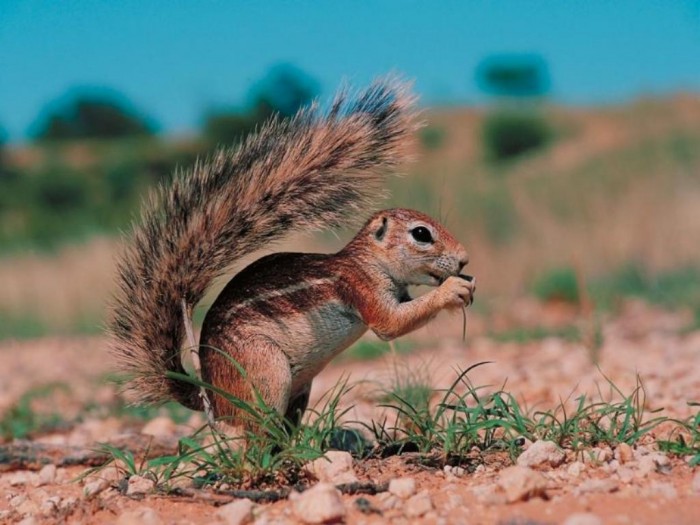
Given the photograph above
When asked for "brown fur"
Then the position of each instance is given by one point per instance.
(311, 171)
(284, 317)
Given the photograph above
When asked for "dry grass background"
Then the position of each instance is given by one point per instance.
(619, 184)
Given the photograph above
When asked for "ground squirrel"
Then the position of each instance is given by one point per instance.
(284, 317)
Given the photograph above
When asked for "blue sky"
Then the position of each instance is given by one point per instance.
(176, 59)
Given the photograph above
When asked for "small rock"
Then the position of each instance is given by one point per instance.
(50, 505)
(93, 488)
(27, 508)
(695, 486)
(645, 466)
(29, 520)
(319, 504)
(662, 490)
(159, 426)
(596, 485)
(47, 475)
(19, 478)
(402, 487)
(17, 500)
(334, 467)
(488, 495)
(624, 453)
(388, 501)
(583, 518)
(239, 512)
(140, 516)
(139, 485)
(596, 456)
(575, 469)
(625, 474)
(541, 454)
(521, 483)
(418, 505)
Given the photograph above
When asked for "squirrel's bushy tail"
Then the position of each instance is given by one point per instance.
(314, 170)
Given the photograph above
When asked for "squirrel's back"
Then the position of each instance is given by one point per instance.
(315, 170)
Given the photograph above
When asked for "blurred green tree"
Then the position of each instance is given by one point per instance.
(516, 76)
(92, 116)
(516, 125)
(283, 90)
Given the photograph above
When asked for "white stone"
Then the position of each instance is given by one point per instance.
(402, 487)
(596, 485)
(662, 490)
(139, 485)
(624, 453)
(418, 505)
(541, 454)
(320, 504)
(239, 512)
(583, 518)
(159, 426)
(93, 488)
(47, 475)
(521, 483)
(695, 486)
(575, 469)
(334, 467)
(140, 516)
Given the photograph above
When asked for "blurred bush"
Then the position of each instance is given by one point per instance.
(432, 137)
(557, 285)
(92, 116)
(282, 91)
(507, 134)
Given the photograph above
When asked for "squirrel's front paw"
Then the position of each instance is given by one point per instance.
(456, 292)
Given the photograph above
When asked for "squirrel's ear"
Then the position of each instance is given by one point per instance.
(379, 234)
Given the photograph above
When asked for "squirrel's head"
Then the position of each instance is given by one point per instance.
(412, 247)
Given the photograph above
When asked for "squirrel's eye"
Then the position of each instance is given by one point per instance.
(422, 234)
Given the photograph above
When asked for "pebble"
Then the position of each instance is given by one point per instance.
(93, 488)
(139, 485)
(159, 426)
(598, 455)
(388, 501)
(334, 467)
(583, 518)
(50, 505)
(140, 516)
(575, 469)
(695, 486)
(418, 504)
(319, 504)
(19, 478)
(47, 475)
(596, 485)
(402, 487)
(662, 490)
(541, 454)
(239, 512)
(521, 483)
(624, 453)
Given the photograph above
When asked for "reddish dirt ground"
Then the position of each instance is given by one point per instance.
(644, 486)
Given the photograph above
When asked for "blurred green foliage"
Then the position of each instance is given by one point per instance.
(284, 90)
(82, 188)
(509, 133)
(92, 116)
(513, 75)
(559, 284)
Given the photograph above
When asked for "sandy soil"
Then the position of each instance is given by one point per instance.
(642, 486)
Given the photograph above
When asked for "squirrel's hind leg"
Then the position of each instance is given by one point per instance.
(266, 370)
(297, 405)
